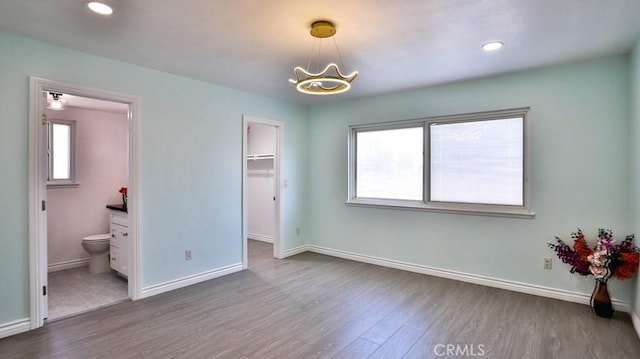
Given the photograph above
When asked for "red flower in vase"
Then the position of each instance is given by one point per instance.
(123, 191)
(603, 261)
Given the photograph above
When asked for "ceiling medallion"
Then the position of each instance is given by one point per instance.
(329, 81)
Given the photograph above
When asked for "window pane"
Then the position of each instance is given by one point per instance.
(477, 162)
(389, 164)
(61, 151)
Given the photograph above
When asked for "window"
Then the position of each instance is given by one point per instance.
(61, 153)
(473, 163)
(390, 163)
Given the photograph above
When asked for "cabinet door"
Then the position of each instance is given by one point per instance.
(121, 238)
(124, 252)
(115, 258)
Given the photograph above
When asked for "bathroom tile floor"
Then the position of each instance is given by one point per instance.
(74, 291)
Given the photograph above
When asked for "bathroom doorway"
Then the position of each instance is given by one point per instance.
(87, 170)
(70, 224)
(262, 183)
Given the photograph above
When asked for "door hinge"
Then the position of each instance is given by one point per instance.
(44, 290)
(44, 205)
(44, 119)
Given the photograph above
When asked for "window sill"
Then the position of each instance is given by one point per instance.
(479, 210)
(63, 184)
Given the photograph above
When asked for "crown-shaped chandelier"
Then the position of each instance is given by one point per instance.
(328, 81)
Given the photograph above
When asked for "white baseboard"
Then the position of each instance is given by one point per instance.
(260, 237)
(636, 322)
(294, 251)
(189, 280)
(15, 327)
(542, 291)
(68, 265)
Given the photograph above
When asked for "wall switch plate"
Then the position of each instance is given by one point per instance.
(547, 263)
(297, 231)
(187, 254)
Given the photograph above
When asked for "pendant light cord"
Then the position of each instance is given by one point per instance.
(338, 51)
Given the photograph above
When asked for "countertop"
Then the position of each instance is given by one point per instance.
(117, 207)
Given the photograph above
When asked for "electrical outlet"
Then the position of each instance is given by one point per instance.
(547, 263)
(187, 254)
(297, 231)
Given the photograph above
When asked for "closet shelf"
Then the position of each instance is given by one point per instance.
(260, 157)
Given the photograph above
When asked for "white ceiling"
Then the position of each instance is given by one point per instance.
(395, 45)
(93, 104)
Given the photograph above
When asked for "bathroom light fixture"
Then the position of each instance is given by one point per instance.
(99, 7)
(492, 45)
(328, 81)
(56, 103)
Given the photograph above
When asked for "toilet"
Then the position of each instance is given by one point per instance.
(97, 246)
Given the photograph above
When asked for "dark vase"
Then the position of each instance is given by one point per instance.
(600, 300)
(124, 201)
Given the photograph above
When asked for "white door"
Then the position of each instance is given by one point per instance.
(44, 160)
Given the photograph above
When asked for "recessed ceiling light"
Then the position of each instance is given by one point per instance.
(100, 8)
(492, 46)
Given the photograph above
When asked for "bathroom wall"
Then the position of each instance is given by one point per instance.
(101, 169)
(260, 183)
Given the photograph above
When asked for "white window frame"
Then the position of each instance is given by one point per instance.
(66, 182)
(522, 211)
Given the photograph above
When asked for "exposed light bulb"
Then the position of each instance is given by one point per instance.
(56, 104)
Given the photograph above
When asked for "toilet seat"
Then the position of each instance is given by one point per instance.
(98, 237)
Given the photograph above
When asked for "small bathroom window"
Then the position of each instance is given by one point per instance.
(61, 153)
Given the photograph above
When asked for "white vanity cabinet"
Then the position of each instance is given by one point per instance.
(118, 226)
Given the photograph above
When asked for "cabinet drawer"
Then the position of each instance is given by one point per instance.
(118, 235)
(119, 218)
(115, 239)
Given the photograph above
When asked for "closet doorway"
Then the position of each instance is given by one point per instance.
(262, 197)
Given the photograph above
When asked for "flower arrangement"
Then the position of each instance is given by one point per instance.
(607, 259)
(123, 192)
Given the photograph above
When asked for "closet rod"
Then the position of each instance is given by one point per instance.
(260, 157)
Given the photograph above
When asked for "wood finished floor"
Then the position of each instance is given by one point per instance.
(315, 306)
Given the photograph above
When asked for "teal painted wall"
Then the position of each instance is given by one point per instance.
(191, 163)
(191, 169)
(579, 156)
(635, 157)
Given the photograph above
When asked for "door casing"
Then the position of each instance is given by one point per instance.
(37, 188)
(277, 240)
